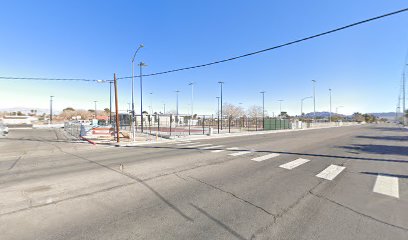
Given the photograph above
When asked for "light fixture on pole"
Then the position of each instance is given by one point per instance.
(133, 100)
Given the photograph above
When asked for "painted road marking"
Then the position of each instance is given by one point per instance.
(387, 185)
(199, 145)
(232, 148)
(239, 153)
(265, 157)
(330, 172)
(217, 151)
(211, 147)
(184, 144)
(295, 163)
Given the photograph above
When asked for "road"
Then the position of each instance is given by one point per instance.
(334, 183)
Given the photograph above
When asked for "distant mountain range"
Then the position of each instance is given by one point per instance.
(322, 114)
(26, 110)
(387, 115)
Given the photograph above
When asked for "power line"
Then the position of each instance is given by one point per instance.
(51, 79)
(275, 47)
(223, 60)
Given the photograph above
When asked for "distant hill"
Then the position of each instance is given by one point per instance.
(26, 110)
(387, 115)
(322, 114)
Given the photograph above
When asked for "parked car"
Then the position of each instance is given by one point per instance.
(3, 129)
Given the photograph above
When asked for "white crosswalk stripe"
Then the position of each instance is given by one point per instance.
(239, 153)
(199, 145)
(330, 172)
(295, 163)
(387, 185)
(212, 147)
(265, 157)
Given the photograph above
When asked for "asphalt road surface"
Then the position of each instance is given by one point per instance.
(337, 183)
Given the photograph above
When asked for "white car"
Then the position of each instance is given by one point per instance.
(3, 129)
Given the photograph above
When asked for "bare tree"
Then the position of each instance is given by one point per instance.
(254, 111)
(232, 110)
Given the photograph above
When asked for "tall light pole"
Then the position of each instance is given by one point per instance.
(314, 100)
(192, 98)
(218, 112)
(263, 108)
(51, 109)
(221, 83)
(280, 107)
(95, 109)
(164, 108)
(301, 104)
(141, 65)
(177, 105)
(151, 103)
(133, 100)
(330, 113)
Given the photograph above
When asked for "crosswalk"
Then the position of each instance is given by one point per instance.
(384, 185)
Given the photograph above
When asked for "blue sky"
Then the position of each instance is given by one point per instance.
(94, 39)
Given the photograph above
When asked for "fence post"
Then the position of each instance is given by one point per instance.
(203, 123)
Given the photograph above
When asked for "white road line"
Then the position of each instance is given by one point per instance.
(184, 144)
(211, 147)
(217, 151)
(265, 157)
(232, 148)
(239, 153)
(330, 172)
(387, 185)
(295, 163)
(199, 145)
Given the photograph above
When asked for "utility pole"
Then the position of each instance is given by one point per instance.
(330, 114)
(221, 83)
(51, 109)
(116, 108)
(110, 102)
(192, 98)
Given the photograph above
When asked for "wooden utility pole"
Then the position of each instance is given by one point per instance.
(116, 108)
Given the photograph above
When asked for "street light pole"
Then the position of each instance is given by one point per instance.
(192, 98)
(177, 105)
(110, 102)
(314, 100)
(330, 114)
(280, 108)
(95, 109)
(263, 109)
(133, 101)
(218, 112)
(221, 83)
(164, 108)
(51, 109)
(141, 64)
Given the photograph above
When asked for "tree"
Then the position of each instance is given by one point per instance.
(106, 110)
(20, 113)
(68, 109)
(254, 111)
(232, 110)
(358, 117)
